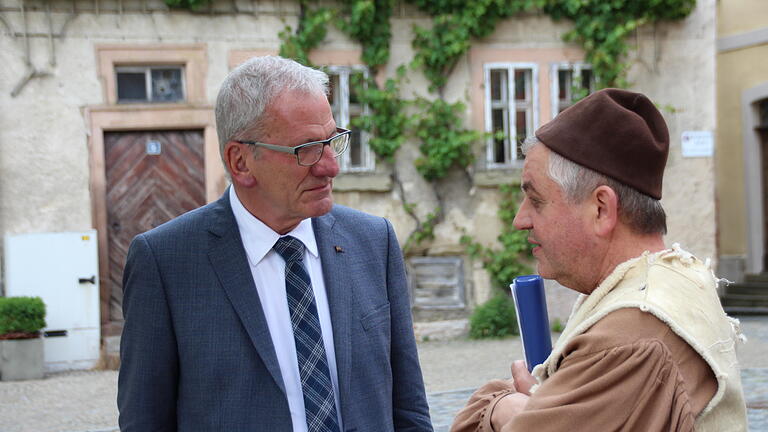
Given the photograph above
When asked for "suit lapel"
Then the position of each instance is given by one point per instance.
(331, 245)
(229, 261)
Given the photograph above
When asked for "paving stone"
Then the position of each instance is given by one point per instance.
(84, 401)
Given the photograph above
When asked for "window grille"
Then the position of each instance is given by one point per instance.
(571, 82)
(150, 84)
(347, 106)
(511, 110)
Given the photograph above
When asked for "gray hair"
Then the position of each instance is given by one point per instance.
(640, 212)
(251, 87)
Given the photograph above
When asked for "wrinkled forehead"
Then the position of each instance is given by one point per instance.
(536, 163)
(296, 104)
(535, 177)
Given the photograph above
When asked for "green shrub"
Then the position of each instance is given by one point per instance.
(193, 5)
(21, 315)
(557, 325)
(493, 319)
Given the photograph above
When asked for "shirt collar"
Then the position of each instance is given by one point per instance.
(258, 238)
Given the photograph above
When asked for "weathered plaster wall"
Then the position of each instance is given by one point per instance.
(43, 152)
(44, 172)
(675, 66)
(468, 207)
(674, 63)
(44, 156)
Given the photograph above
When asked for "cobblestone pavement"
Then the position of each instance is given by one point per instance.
(85, 401)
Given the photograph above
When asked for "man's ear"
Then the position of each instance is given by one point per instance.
(236, 158)
(606, 203)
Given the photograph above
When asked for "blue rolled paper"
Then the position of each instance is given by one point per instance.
(531, 306)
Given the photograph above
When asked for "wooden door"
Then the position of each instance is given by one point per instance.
(152, 177)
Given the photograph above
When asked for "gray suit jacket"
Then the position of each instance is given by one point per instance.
(196, 353)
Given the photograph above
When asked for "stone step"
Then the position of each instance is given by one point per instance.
(739, 300)
(736, 310)
(757, 277)
(747, 288)
(747, 298)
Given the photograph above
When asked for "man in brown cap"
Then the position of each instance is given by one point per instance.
(648, 346)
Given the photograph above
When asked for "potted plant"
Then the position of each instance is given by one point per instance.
(21, 347)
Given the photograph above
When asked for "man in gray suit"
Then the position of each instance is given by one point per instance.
(270, 309)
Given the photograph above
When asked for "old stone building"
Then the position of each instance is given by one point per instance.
(742, 134)
(107, 124)
(742, 120)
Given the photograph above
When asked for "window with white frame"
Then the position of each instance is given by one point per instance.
(152, 84)
(511, 110)
(570, 82)
(346, 106)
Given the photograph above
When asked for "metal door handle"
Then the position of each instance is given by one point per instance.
(90, 280)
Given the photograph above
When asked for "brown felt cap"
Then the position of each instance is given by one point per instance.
(615, 132)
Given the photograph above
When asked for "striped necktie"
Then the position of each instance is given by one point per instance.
(319, 401)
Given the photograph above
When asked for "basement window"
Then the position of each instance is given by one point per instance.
(150, 84)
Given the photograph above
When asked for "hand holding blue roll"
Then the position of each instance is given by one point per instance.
(531, 306)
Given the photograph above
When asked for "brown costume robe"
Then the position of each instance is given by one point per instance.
(628, 372)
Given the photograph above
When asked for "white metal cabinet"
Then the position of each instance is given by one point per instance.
(62, 269)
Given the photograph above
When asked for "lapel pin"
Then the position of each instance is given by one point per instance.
(338, 249)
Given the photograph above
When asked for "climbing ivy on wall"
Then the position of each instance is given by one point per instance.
(445, 144)
(388, 120)
(192, 5)
(454, 24)
(367, 21)
(310, 31)
(602, 28)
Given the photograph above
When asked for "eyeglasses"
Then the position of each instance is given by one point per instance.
(310, 153)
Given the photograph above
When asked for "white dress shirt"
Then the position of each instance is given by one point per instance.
(268, 270)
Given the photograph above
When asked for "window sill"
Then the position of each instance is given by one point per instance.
(362, 181)
(497, 177)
